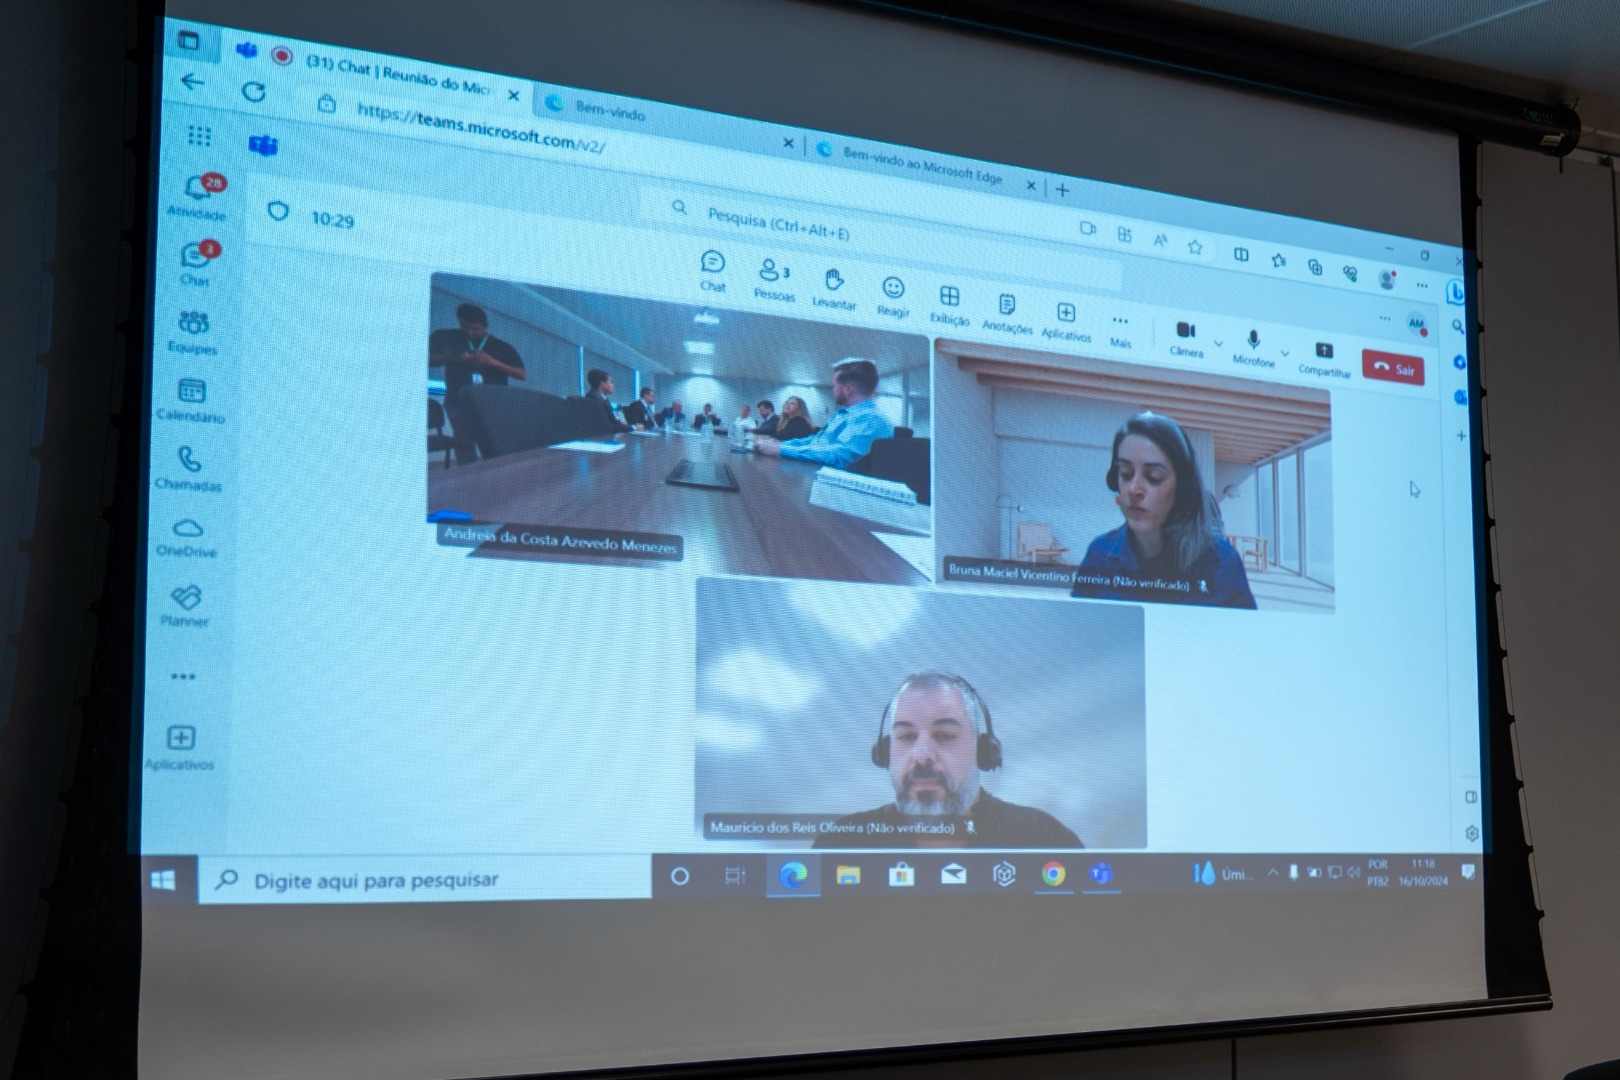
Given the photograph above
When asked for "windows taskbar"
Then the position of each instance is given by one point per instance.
(440, 878)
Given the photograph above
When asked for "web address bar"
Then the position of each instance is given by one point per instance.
(761, 220)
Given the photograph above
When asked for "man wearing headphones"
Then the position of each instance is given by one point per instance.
(935, 739)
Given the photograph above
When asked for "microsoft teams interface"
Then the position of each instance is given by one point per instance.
(555, 495)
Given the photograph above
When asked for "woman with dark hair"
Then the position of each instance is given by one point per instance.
(1170, 544)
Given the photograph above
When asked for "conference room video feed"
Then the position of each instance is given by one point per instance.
(1115, 481)
(842, 717)
(580, 427)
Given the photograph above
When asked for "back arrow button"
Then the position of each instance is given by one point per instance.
(191, 82)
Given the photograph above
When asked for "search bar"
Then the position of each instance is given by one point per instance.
(351, 879)
(762, 220)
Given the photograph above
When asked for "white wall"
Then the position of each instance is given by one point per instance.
(1055, 451)
(1240, 511)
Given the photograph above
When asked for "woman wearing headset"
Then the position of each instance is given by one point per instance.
(1170, 543)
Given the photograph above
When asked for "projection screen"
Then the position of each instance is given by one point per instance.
(918, 540)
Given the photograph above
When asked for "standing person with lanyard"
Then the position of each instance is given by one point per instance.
(470, 355)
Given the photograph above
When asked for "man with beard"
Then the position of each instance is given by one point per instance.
(935, 739)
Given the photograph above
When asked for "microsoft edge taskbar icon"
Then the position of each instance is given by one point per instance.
(789, 875)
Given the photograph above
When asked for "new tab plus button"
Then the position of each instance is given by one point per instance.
(1392, 367)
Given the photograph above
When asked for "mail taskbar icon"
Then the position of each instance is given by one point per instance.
(897, 873)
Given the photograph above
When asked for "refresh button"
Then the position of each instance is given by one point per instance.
(253, 91)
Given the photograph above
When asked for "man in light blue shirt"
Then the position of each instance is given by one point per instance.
(853, 428)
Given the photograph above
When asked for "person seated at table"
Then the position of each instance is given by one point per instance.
(768, 420)
(794, 420)
(706, 418)
(745, 420)
(853, 428)
(672, 417)
(601, 410)
(639, 413)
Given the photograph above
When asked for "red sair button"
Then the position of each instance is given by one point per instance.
(1392, 367)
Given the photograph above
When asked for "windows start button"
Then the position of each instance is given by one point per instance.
(1392, 367)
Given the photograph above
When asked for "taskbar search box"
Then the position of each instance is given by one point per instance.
(399, 879)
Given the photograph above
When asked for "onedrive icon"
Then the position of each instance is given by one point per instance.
(794, 875)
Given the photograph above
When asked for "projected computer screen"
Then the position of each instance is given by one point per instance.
(590, 528)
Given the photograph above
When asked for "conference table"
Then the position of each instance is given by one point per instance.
(766, 527)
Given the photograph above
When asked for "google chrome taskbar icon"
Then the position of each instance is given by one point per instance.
(803, 874)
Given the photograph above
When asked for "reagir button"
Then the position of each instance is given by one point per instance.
(1392, 367)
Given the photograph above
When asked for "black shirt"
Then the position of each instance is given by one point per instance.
(995, 824)
(794, 427)
(444, 346)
